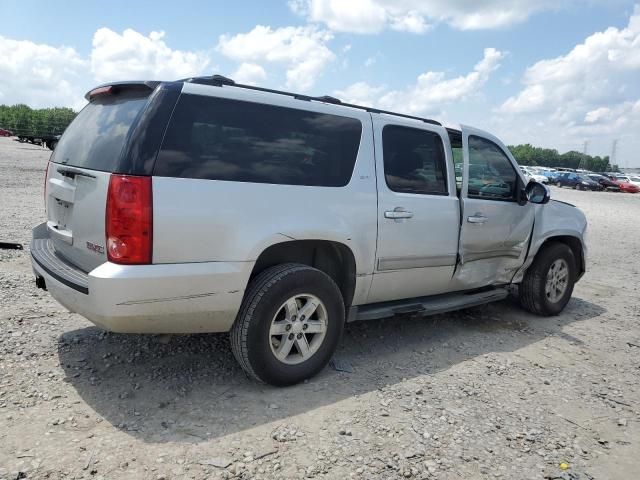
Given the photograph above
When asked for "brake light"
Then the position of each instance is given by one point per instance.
(129, 220)
(99, 91)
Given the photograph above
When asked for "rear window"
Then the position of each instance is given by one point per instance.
(95, 138)
(220, 139)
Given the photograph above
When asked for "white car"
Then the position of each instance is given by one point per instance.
(531, 175)
(634, 179)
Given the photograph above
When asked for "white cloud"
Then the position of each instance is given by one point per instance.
(597, 115)
(301, 50)
(39, 75)
(360, 93)
(249, 73)
(590, 93)
(134, 56)
(431, 91)
(416, 16)
(598, 71)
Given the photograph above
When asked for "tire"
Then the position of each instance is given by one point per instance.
(559, 185)
(251, 340)
(532, 290)
(578, 186)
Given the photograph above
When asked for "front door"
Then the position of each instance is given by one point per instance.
(418, 210)
(496, 227)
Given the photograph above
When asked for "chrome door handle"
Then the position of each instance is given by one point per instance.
(477, 218)
(397, 214)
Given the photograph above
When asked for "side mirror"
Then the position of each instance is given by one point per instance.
(537, 193)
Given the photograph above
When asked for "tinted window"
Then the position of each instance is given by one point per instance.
(491, 174)
(414, 160)
(220, 139)
(95, 138)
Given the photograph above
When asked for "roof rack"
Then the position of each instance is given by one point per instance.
(219, 81)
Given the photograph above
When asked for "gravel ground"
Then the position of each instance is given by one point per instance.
(489, 392)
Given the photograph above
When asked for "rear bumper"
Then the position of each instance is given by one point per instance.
(167, 298)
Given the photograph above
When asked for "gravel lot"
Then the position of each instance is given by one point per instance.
(490, 392)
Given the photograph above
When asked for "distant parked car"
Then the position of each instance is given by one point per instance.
(531, 175)
(604, 182)
(552, 175)
(577, 181)
(629, 179)
(5, 133)
(627, 187)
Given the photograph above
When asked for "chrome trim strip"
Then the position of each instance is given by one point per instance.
(471, 257)
(402, 263)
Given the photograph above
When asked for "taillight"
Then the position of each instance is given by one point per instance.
(99, 91)
(129, 220)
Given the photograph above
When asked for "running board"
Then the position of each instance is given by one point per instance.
(427, 305)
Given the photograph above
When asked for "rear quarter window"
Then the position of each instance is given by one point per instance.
(221, 139)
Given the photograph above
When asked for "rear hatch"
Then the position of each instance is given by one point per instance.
(78, 176)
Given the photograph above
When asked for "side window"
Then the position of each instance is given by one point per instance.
(491, 175)
(220, 139)
(414, 160)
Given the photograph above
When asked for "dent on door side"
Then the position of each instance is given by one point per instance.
(499, 264)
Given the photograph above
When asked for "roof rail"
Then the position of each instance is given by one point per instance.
(219, 81)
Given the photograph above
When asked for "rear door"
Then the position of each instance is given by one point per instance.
(496, 227)
(418, 210)
(78, 175)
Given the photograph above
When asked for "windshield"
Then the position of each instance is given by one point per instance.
(95, 138)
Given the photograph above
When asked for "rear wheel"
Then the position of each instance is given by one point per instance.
(289, 324)
(548, 284)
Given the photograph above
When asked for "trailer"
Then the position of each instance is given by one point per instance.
(48, 139)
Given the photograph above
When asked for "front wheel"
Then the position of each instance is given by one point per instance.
(548, 284)
(289, 324)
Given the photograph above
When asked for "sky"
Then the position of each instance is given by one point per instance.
(561, 74)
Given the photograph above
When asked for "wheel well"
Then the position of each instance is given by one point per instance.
(574, 244)
(333, 258)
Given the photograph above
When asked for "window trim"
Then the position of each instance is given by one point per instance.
(514, 198)
(444, 162)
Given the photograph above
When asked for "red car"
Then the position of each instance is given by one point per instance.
(627, 187)
(5, 133)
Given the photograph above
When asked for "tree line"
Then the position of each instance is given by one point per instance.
(24, 120)
(547, 157)
(21, 119)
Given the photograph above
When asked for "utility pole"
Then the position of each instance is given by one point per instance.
(585, 148)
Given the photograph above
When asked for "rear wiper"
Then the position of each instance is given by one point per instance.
(72, 172)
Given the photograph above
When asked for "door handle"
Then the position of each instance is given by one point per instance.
(397, 214)
(477, 218)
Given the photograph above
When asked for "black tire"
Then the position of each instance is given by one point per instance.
(532, 289)
(250, 339)
(559, 185)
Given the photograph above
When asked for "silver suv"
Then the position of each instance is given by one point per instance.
(202, 205)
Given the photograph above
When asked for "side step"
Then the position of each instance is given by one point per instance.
(428, 305)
